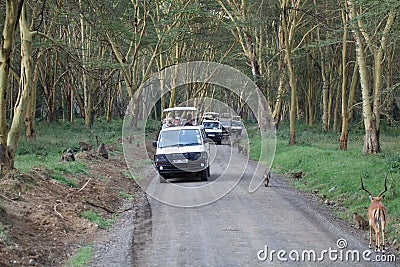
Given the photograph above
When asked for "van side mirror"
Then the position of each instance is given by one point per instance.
(155, 143)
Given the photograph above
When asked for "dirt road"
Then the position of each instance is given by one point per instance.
(243, 229)
(275, 226)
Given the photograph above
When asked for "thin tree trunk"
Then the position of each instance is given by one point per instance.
(344, 131)
(292, 83)
(352, 92)
(325, 96)
(87, 96)
(336, 112)
(30, 132)
(281, 70)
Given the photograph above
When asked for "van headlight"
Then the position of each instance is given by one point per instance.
(159, 159)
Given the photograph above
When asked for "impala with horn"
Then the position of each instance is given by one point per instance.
(377, 218)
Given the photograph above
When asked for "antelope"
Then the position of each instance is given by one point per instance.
(377, 218)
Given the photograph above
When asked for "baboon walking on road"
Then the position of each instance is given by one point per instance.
(267, 176)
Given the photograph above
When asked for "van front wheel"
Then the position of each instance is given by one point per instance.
(162, 179)
(204, 175)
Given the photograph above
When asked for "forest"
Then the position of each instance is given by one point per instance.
(327, 63)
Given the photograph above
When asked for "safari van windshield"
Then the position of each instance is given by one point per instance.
(236, 123)
(211, 125)
(182, 137)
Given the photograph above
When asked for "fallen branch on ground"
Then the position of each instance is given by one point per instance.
(12, 200)
(100, 206)
(84, 185)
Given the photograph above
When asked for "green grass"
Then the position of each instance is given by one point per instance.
(126, 196)
(335, 174)
(53, 139)
(82, 257)
(4, 236)
(60, 172)
(63, 179)
(96, 218)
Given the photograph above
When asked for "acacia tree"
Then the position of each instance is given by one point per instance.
(290, 19)
(9, 137)
(347, 90)
(242, 32)
(371, 39)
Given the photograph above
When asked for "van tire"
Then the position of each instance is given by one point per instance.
(204, 175)
(162, 179)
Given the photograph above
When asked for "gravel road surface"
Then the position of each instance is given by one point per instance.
(274, 226)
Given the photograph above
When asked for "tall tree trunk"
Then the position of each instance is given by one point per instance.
(325, 85)
(87, 95)
(325, 95)
(370, 145)
(288, 32)
(13, 9)
(345, 116)
(24, 87)
(352, 91)
(344, 131)
(371, 102)
(276, 114)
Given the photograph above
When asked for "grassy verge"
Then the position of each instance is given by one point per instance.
(98, 219)
(82, 257)
(4, 236)
(335, 175)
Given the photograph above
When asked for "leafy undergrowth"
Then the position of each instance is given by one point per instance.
(334, 175)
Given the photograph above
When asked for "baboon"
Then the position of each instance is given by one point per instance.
(85, 146)
(245, 152)
(361, 222)
(240, 148)
(297, 175)
(267, 176)
(103, 151)
(235, 141)
(68, 155)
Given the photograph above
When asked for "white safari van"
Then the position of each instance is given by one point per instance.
(182, 150)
